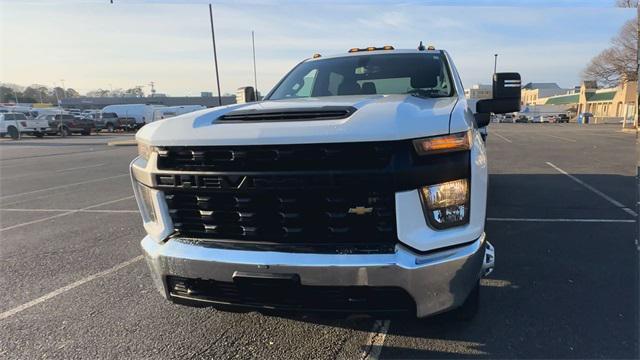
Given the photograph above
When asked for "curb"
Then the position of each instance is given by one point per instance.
(122, 143)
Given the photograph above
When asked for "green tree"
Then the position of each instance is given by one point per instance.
(134, 92)
(71, 93)
(31, 95)
(7, 94)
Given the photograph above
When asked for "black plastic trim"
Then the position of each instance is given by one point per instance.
(320, 248)
(287, 114)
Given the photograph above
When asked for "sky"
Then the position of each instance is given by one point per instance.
(94, 44)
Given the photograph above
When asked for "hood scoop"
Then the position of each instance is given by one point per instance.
(287, 114)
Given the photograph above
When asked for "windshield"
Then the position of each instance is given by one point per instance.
(423, 74)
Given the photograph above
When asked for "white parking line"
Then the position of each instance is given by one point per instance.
(62, 186)
(46, 172)
(63, 214)
(80, 167)
(561, 138)
(376, 340)
(563, 220)
(75, 210)
(595, 191)
(502, 137)
(66, 288)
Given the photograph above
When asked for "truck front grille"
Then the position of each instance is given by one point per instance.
(335, 156)
(286, 216)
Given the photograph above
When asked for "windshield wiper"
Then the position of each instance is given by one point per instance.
(424, 93)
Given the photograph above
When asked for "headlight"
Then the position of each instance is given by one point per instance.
(145, 150)
(441, 144)
(446, 204)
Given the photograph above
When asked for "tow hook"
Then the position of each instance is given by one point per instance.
(489, 259)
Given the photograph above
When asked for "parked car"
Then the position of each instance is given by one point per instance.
(562, 118)
(543, 119)
(67, 124)
(508, 118)
(16, 124)
(522, 119)
(282, 204)
(110, 121)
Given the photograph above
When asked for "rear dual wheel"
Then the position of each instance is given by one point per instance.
(13, 132)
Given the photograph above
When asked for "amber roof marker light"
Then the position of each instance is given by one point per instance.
(371, 48)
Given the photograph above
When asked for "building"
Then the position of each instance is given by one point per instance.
(606, 105)
(100, 102)
(532, 92)
(479, 92)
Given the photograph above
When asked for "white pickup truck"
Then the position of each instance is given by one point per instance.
(16, 124)
(359, 185)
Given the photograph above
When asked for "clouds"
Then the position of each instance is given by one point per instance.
(92, 44)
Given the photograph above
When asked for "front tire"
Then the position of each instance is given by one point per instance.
(64, 131)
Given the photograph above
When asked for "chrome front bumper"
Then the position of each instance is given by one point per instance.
(437, 281)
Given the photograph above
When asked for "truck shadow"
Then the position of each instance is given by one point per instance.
(560, 288)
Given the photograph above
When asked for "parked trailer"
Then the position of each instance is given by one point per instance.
(143, 113)
(171, 111)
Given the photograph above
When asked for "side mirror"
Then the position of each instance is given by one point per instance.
(245, 94)
(506, 97)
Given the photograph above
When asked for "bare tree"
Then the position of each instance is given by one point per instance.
(627, 3)
(619, 62)
(98, 93)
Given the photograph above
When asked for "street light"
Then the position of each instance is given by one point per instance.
(495, 62)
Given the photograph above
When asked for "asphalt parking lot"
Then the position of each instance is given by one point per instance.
(561, 216)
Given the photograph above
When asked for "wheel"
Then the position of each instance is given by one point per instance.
(86, 133)
(468, 310)
(13, 132)
(110, 128)
(65, 131)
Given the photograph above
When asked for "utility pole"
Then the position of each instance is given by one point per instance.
(55, 92)
(255, 73)
(495, 62)
(153, 90)
(215, 55)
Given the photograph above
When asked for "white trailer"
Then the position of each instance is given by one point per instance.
(143, 113)
(171, 111)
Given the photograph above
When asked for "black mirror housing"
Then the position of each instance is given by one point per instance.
(482, 119)
(506, 95)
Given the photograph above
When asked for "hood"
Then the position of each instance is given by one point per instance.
(377, 118)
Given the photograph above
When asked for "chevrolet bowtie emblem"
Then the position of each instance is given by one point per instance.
(360, 210)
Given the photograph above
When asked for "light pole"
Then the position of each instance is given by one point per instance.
(215, 55)
(255, 74)
(495, 62)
